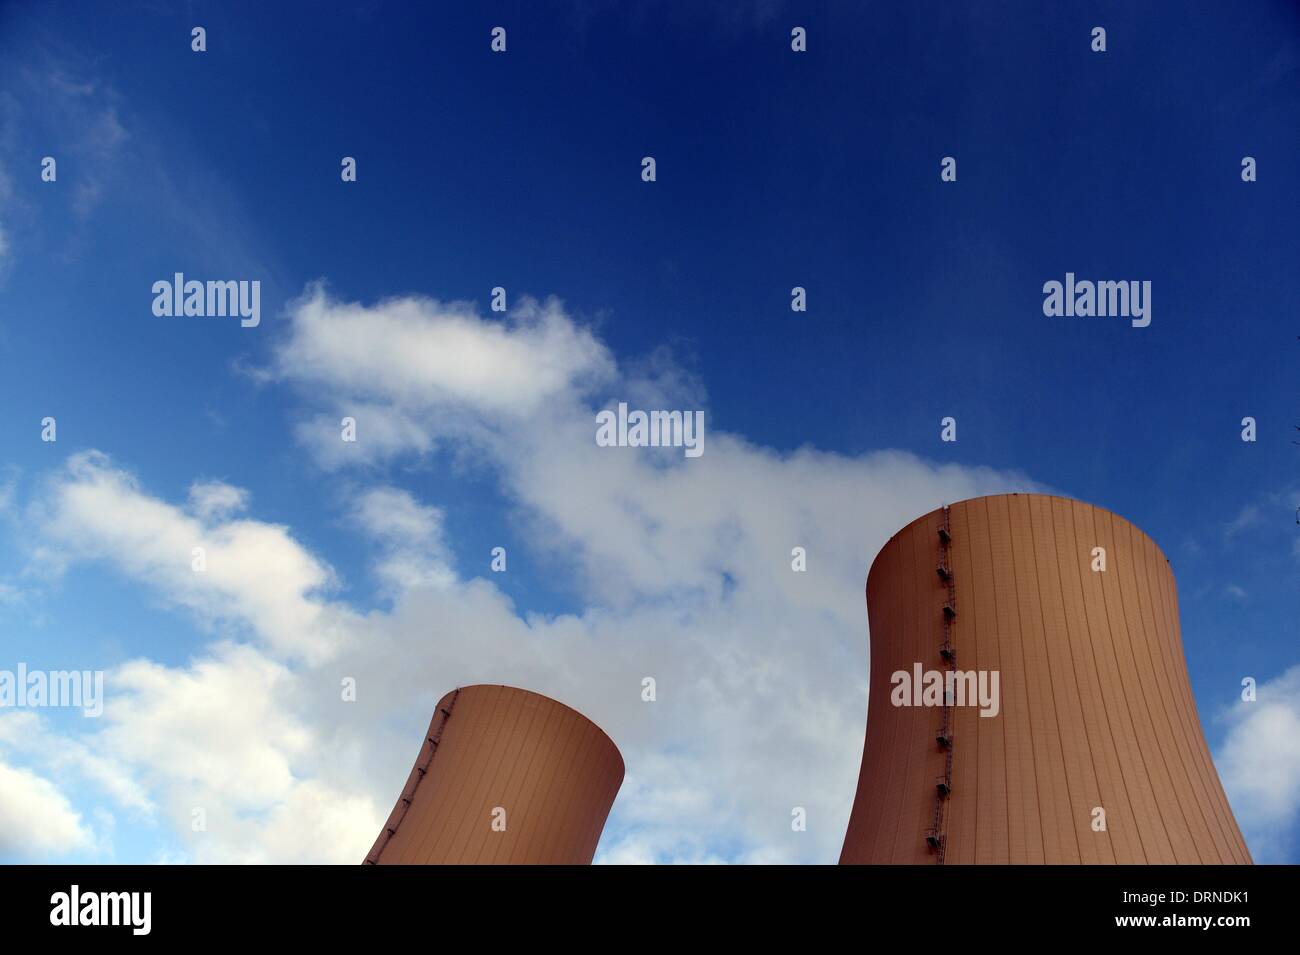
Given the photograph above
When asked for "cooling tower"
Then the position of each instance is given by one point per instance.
(503, 776)
(1095, 753)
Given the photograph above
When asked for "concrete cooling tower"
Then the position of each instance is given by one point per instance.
(1029, 700)
(503, 776)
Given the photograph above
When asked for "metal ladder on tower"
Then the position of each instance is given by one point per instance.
(934, 837)
(421, 770)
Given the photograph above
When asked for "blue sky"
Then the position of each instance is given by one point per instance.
(522, 170)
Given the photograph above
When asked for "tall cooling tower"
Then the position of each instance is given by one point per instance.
(1095, 754)
(503, 776)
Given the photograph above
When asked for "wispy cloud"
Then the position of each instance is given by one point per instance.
(1247, 518)
(1260, 764)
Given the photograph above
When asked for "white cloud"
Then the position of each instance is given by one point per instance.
(226, 735)
(23, 732)
(416, 352)
(682, 569)
(254, 573)
(411, 535)
(211, 499)
(1259, 763)
(36, 818)
(392, 514)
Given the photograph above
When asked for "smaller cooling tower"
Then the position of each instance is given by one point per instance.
(503, 776)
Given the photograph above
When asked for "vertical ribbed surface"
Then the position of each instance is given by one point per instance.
(1096, 708)
(552, 770)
